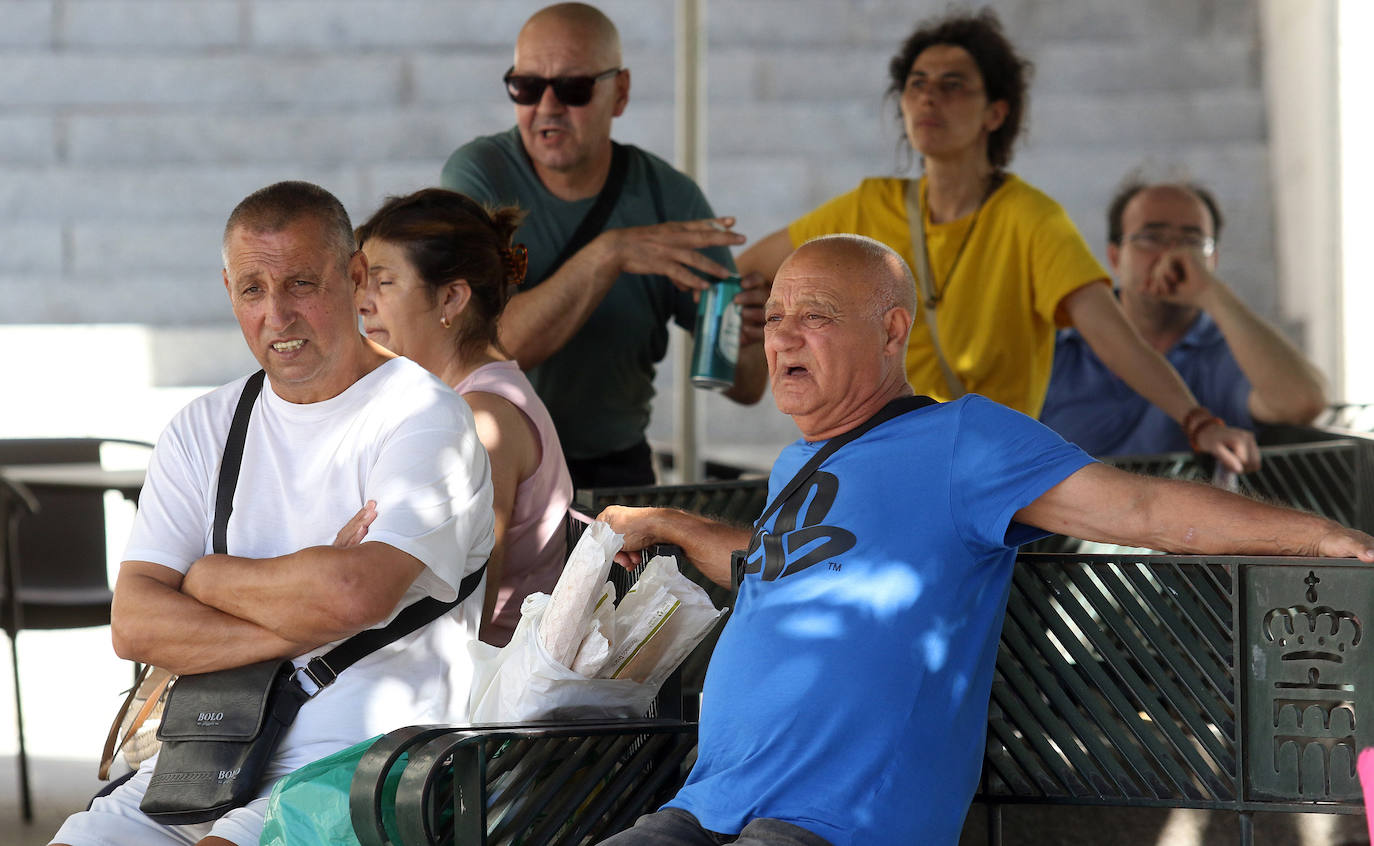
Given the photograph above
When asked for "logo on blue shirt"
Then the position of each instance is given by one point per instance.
(791, 548)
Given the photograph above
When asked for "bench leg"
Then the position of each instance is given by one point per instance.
(1247, 828)
(469, 799)
(994, 824)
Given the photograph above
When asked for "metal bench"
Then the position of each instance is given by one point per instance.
(1121, 680)
(1220, 683)
(527, 783)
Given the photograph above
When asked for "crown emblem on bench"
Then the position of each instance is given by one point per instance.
(1312, 700)
(1312, 633)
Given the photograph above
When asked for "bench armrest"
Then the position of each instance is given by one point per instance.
(517, 779)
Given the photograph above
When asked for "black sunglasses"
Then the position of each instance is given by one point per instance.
(570, 90)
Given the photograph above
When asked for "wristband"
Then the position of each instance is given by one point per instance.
(1195, 421)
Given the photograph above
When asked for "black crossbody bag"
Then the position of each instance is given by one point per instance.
(895, 408)
(219, 729)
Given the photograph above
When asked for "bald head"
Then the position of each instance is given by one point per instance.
(569, 144)
(835, 333)
(576, 24)
(863, 263)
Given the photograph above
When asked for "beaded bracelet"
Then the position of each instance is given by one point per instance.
(1194, 422)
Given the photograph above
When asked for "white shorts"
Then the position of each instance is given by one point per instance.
(115, 820)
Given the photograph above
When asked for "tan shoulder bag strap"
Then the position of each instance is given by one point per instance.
(926, 281)
(159, 679)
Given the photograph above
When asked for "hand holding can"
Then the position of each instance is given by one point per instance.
(715, 350)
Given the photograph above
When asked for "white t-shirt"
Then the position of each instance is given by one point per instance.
(398, 436)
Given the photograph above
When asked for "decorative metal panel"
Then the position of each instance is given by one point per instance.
(1308, 681)
(1205, 682)
(1114, 681)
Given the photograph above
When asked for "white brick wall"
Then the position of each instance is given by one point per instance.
(133, 24)
(30, 248)
(28, 140)
(129, 128)
(28, 23)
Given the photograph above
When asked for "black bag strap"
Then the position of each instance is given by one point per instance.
(656, 192)
(232, 461)
(322, 669)
(895, 408)
(595, 218)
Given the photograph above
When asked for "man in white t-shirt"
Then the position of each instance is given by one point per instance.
(363, 489)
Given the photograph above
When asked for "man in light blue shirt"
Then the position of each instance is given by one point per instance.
(1162, 250)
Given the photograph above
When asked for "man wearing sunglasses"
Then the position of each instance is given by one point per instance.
(1162, 249)
(590, 321)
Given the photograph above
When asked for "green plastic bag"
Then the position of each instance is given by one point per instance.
(310, 806)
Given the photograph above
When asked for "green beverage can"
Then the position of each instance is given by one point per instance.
(716, 348)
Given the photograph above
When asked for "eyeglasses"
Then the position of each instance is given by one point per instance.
(570, 90)
(944, 88)
(1155, 240)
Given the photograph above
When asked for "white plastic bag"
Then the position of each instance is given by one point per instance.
(521, 682)
(574, 598)
(576, 654)
(662, 619)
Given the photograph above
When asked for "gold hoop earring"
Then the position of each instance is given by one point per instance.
(444, 322)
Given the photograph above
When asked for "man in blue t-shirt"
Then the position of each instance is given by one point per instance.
(1162, 249)
(591, 330)
(847, 699)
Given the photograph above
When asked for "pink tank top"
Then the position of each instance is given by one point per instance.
(535, 545)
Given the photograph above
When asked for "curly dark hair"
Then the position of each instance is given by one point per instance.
(447, 236)
(1006, 75)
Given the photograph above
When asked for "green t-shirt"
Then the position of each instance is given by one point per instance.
(598, 387)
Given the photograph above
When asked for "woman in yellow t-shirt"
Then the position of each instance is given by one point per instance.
(1005, 266)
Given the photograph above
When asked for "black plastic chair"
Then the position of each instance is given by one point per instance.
(53, 572)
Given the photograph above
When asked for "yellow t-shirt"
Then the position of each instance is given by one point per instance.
(998, 314)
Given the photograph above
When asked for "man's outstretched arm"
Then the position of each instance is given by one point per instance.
(1102, 503)
(707, 543)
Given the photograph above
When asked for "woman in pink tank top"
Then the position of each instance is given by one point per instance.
(440, 270)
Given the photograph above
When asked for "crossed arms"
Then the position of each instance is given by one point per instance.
(228, 611)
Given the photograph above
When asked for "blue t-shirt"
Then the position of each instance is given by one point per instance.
(849, 691)
(1090, 406)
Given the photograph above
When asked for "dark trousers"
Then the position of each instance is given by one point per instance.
(623, 469)
(676, 827)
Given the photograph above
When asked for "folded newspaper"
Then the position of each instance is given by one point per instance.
(577, 653)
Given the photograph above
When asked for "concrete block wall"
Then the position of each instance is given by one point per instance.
(129, 128)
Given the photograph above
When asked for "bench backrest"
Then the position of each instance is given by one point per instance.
(1238, 683)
